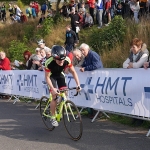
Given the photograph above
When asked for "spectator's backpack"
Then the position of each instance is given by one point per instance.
(28, 11)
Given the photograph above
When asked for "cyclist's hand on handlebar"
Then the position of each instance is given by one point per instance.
(78, 88)
(55, 91)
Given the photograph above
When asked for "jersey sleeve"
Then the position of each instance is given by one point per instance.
(47, 64)
(68, 63)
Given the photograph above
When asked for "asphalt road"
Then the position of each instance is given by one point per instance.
(21, 128)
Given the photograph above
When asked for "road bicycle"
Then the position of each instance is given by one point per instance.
(65, 109)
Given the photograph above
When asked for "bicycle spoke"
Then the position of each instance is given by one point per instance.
(72, 120)
(45, 113)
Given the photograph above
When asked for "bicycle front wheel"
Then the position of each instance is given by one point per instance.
(45, 113)
(72, 120)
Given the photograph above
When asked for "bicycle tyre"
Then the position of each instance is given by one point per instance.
(46, 120)
(74, 124)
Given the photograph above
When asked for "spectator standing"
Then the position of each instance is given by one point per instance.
(0, 12)
(143, 7)
(36, 6)
(17, 10)
(74, 21)
(72, 5)
(33, 11)
(91, 7)
(78, 5)
(3, 11)
(83, 9)
(138, 55)
(71, 39)
(113, 8)
(49, 5)
(119, 9)
(41, 20)
(135, 7)
(99, 12)
(64, 10)
(107, 10)
(11, 10)
(43, 8)
(29, 11)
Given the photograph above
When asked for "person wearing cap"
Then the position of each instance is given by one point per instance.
(34, 57)
(41, 44)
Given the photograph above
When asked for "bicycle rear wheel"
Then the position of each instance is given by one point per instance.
(45, 113)
(72, 120)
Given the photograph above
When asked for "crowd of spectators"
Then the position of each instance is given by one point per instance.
(32, 11)
(103, 11)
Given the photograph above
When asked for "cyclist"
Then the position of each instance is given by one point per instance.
(54, 68)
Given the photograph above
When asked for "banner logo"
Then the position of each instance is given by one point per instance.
(27, 83)
(6, 81)
(87, 89)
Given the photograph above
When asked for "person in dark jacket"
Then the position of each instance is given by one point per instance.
(64, 10)
(43, 8)
(75, 18)
(71, 39)
(92, 60)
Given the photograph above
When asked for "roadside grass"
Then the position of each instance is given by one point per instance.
(128, 121)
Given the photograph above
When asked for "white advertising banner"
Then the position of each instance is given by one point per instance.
(119, 90)
(28, 83)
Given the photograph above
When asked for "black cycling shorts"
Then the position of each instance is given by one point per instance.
(58, 81)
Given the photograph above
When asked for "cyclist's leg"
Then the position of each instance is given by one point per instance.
(53, 102)
(61, 82)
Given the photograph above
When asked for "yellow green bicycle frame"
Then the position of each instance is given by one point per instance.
(59, 109)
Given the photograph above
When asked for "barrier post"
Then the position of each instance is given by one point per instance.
(148, 133)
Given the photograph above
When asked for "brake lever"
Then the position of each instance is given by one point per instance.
(76, 93)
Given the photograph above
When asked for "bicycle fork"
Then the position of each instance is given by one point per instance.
(69, 107)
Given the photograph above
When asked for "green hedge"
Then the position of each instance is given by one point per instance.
(106, 38)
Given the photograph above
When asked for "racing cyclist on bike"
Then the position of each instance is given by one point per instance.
(55, 77)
